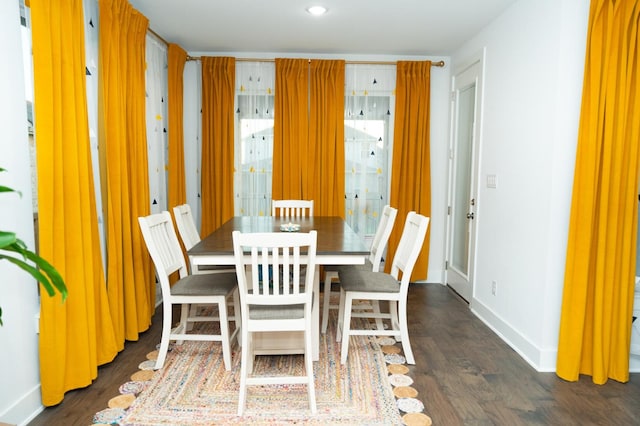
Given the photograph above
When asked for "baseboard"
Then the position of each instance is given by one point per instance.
(542, 360)
(25, 409)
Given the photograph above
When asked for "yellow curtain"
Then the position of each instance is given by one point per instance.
(595, 326)
(218, 94)
(130, 282)
(325, 164)
(290, 129)
(411, 166)
(176, 181)
(77, 336)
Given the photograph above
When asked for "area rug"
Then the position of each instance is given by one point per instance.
(193, 388)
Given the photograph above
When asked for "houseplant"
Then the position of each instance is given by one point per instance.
(15, 251)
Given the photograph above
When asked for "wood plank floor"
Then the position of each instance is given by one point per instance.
(465, 374)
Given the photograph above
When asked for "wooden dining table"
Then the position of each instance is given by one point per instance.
(337, 244)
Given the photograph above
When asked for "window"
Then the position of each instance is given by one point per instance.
(254, 138)
(369, 106)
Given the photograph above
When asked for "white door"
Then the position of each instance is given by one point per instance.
(466, 96)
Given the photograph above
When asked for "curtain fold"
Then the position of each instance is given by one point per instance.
(218, 84)
(291, 128)
(597, 305)
(411, 166)
(176, 182)
(325, 163)
(130, 282)
(77, 336)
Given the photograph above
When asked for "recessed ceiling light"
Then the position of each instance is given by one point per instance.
(317, 10)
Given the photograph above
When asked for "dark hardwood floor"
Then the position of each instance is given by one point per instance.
(466, 375)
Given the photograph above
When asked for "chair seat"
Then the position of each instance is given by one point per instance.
(205, 285)
(276, 312)
(368, 281)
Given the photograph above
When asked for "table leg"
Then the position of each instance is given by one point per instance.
(315, 315)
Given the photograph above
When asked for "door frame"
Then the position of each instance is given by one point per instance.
(478, 61)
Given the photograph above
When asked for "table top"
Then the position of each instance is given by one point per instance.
(335, 236)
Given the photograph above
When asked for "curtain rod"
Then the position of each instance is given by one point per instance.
(433, 64)
(196, 58)
(158, 36)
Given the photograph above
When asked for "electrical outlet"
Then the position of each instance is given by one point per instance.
(494, 287)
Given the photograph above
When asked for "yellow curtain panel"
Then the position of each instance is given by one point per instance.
(130, 282)
(77, 336)
(177, 57)
(411, 164)
(291, 129)
(325, 164)
(218, 94)
(597, 304)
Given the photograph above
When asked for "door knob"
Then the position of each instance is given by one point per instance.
(470, 215)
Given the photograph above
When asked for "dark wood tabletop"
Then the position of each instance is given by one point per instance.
(335, 236)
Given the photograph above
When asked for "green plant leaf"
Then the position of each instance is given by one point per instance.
(48, 285)
(7, 238)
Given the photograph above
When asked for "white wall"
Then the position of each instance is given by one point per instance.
(440, 78)
(532, 90)
(19, 367)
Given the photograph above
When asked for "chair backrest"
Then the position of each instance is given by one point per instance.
(164, 247)
(381, 237)
(409, 247)
(282, 267)
(292, 208)
(186, 226)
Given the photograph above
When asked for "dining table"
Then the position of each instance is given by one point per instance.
(337, 244)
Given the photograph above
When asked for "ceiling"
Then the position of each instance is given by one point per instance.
(350, 27)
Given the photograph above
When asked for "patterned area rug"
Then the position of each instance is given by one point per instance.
(193, 388)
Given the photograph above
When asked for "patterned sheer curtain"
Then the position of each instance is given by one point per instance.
(156, 108)
(91, 23)
(255, 83)
(368, 133)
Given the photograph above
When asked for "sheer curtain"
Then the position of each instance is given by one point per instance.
(368, 135)
(157, 143)
(254, 98)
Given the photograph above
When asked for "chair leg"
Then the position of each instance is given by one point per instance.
(346, 326)
(395, 323)
(237, 317)
(308, 361)
(328, 278)
(193, 311)
(375, 305)
(224, 333)
(244, 371)
(167, 317)
(184, 321)
(404, 332)
(340, 316)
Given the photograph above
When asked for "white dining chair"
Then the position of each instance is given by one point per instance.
(292, 208)
(378, 245)
(190, 236)
(358, 284)
(213, 289)
(275, 295)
